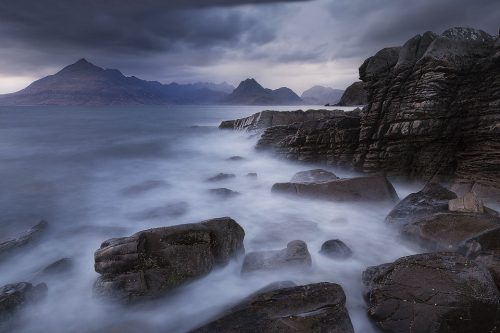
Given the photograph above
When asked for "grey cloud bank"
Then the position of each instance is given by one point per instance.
(292, 43)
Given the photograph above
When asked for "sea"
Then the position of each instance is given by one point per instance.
(99, 173)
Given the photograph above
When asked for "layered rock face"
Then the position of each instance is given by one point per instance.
(156, 260)
(433, 113)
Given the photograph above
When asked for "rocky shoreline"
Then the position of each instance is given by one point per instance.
(444, 138)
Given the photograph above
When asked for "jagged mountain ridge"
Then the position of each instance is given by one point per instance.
(250, 92)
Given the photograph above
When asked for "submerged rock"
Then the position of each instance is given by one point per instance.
(313, 176)
(221, 176)
(169, 210)
(235, 158)
(335, 249)
(370, 188)
(143, 187)
(153, 261)
(26, 238)
(313, 308)
(223, 192)
(295, 256)
(436, 292)
(13, 297)
(57, 268)
(252, 175)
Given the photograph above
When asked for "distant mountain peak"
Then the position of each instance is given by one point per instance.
(81, 66)
(250, 83)
(250, 92)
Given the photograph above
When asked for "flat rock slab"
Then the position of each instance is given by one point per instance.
(153, 261)
(313, 308)
(295, 257)
(370, 188)
(313, 176)
(26, 238)
(432, 292)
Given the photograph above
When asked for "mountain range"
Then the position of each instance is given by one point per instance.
(319, 95)
(84, 83)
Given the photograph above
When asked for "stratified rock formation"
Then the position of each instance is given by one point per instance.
(313, 308)
(355, 94)
(153, 261)
(433, 113)
(436, 292)
(264, 119)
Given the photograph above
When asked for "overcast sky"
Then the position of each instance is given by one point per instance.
(280, 43)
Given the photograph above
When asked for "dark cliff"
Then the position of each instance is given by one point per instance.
(355, 94)
(433, 112)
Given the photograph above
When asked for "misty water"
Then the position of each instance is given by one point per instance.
(98, 173)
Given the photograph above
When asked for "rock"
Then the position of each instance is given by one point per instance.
(223, 192)
(433, 198)
(13, 297)
(370, 188)
(313, 176)
(235, 158)
(220, 176)
(57, 268)
(423, 217)
(295, 256)
(252, 175)
(445, 231)
(469, 203)
(436, 292)
(143, 187)
(335, 249)
(268, 118)
(26, 238)
(355, 94)
(154, 261)
(175, 209)
(312, 308)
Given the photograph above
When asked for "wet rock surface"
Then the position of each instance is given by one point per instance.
(311, 308)
(13, 297)
(313, 176)
(223, 192)
(28, 237)
(437, 292)
(294, 257)
(335, 249)
(154, 261)
(370, 188)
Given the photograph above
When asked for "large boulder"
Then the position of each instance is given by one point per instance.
(369, 188)
(335, 249)
(13, 297)
(295, 256)
(436, 292)
(154, 261)
(314, 308)
(26, 238)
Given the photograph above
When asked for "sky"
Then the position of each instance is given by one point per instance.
(290, 43)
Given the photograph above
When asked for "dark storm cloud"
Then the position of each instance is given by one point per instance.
(185, 40)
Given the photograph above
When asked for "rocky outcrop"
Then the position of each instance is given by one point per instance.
(295, 257)
(438, 292)
(374, 188)
(13, 297)
(223, 192)
(355, 94)
(154, 261)
(425, 218)
(26, 238)
(313, 308)
(264, 119)
(433, 113)
(220, 176)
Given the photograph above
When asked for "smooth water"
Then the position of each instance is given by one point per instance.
(98, 173)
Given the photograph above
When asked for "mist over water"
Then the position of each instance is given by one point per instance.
(99, 173)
